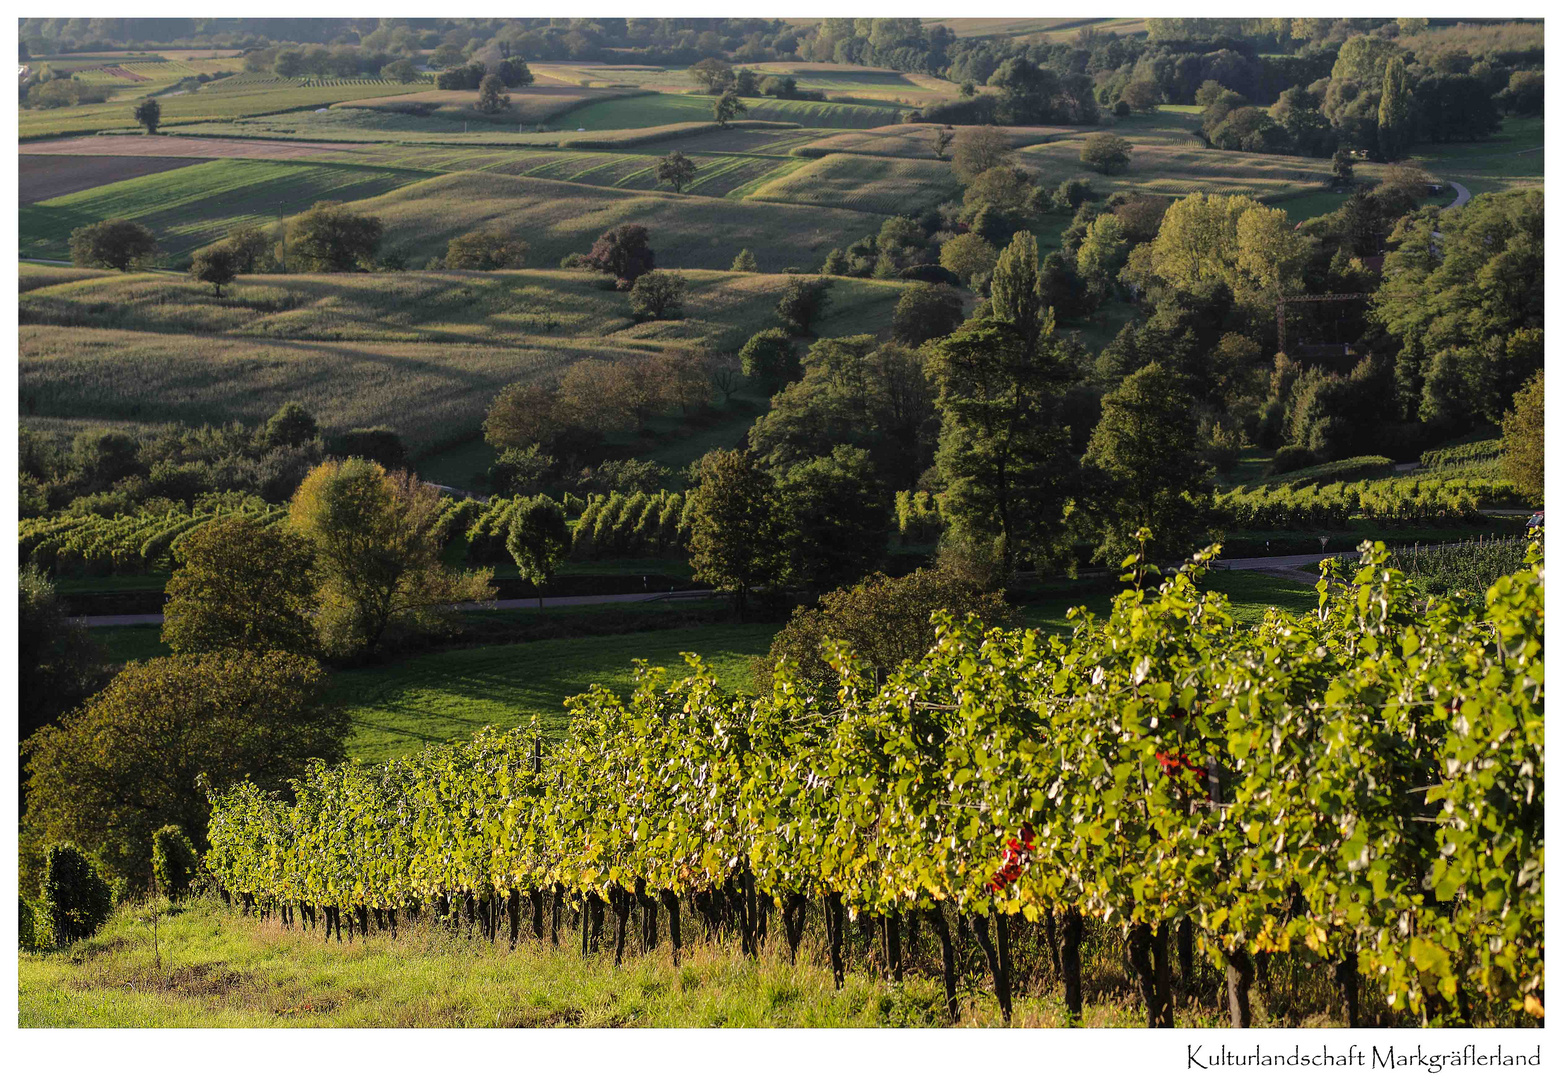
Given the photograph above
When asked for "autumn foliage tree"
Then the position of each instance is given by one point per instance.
(623, 251)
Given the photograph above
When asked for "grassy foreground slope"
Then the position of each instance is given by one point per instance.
(219, 970)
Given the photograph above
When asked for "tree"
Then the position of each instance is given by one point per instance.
(538, 541)
(1102, 253)
(485, 249)
(378, 554)
(803, 302)
(127, 762)
(240, 585)
(1524, 442)
(216, 266)
(969, 257)
(290, 425)
(744, 262)
(728, 107)
(1141, 95)
(492, 97)
(1105, 153)
(1394, 112)
(76, 899)
(1017, 287)
(328, 238)
(623, 251)
(714, 74)
(381, 444)
(835, 519)
(1148, 448)
(148, 113)
(975, 150)
(289, 63)
(513, 72)
(942, 137)
(925, 312)
(604, 395)
(1003, 188)
(676, 170)
(1004, 439)
(1231, 239)
(1341, 166)
(249, 245)
(116, 244)
(521, 414)
(885, 621)
(658, 294)
(735, 526)
(58, 660)
(402, 71)
(768, 357)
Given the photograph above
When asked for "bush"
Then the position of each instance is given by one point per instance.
(1291, 458)
(174, 861)
(76, 899)
(32, 928)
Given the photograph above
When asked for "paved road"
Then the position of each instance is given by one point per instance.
(549, 603)
(1284, 562)
(1462, 195)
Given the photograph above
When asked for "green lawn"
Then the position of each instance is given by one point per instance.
(399, 707)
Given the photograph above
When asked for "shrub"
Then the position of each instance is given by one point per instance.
(76, 899)
(769, 357)
(174, 861)
(1291, 458)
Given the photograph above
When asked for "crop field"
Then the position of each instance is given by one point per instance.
(191, 207)
(637, 76)
(909, 140)
(41, 275)
(1166, 160)
(879, 185)
(531, 105)
(851, 82)
(650, 110)
(143, 349)
(49, 176)
(226, 99)
(1041, 29)
(559, 218)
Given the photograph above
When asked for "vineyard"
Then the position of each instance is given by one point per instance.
(129, 544)
(1471, 566)
(1397, 502)
(1360, 789)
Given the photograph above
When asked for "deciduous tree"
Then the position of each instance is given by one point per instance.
(116, 243)
(735, 526)
(240, 585)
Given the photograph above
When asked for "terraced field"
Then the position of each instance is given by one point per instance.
(190, 207)
(226, 99)
(653, 109)
(875, 185)
(559, 218)
(909, 140)
(144, 349)
(532, 105)
(1167, 160)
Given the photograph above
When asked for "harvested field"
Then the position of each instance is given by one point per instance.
(176, 146)
(32, 276)
(50, 176)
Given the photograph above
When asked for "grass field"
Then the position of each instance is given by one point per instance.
(878, 185)
(651, 110)
(1512, 159)
(39, 275)
(142, 349)
(400, 707)
(190, 207)
(908, 140)
(216, 969)
(49, 176)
